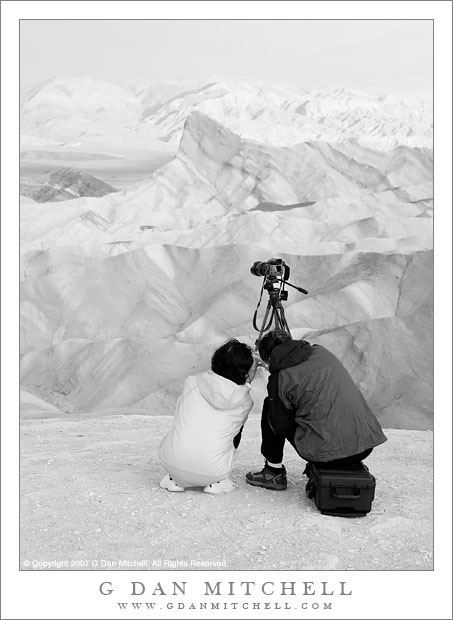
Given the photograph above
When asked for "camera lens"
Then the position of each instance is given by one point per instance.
(259, 269)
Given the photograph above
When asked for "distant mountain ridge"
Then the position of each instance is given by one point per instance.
(216, 173)
(64, 108)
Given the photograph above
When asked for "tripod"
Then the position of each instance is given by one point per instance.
(274, 307)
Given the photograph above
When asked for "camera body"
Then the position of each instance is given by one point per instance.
(271, 270)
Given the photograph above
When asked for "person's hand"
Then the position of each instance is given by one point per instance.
(261, 363)
(257, 361)
(252, 372)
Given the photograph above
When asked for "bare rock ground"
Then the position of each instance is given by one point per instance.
(90, 492)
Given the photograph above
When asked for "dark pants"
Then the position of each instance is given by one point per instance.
(237, 439)
(272, 445)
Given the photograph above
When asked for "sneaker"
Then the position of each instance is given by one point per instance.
(170, 485)
(223, 486)
(268, 479)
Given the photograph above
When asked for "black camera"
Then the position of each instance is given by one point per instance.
(274, 271)
(273, 268)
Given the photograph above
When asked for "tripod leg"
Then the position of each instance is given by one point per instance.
(280, 319)
(264, 327)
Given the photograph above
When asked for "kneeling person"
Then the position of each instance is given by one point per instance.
(210, 413)
(314, 404)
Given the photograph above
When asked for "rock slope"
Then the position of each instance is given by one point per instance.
(110, 283)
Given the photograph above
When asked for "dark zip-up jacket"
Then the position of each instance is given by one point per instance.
(311, 390)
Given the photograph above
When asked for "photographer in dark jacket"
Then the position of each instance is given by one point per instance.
(314, 404)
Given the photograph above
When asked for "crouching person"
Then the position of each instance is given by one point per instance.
(314, 404)
(210, 413)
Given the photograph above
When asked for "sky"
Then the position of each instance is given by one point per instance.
(376, 56)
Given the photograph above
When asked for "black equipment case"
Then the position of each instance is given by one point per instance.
(346, 491)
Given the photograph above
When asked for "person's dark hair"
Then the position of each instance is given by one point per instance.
(271, 340)
(232, 360)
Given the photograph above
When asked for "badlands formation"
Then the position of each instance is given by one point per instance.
(64, 184)
(124, 295)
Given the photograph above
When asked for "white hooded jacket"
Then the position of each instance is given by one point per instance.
(209, 414)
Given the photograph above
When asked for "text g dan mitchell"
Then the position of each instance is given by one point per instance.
(229, 588)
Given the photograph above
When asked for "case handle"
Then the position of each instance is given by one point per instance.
(355, 495)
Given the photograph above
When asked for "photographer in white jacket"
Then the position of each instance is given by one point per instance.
(210, 413)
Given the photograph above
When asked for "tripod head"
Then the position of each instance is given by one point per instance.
(279, 294)
(269, 285)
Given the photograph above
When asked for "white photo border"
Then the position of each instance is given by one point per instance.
(76, 594)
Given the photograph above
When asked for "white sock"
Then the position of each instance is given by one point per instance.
(276, 465)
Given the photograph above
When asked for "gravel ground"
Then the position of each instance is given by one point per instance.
(90, 494)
